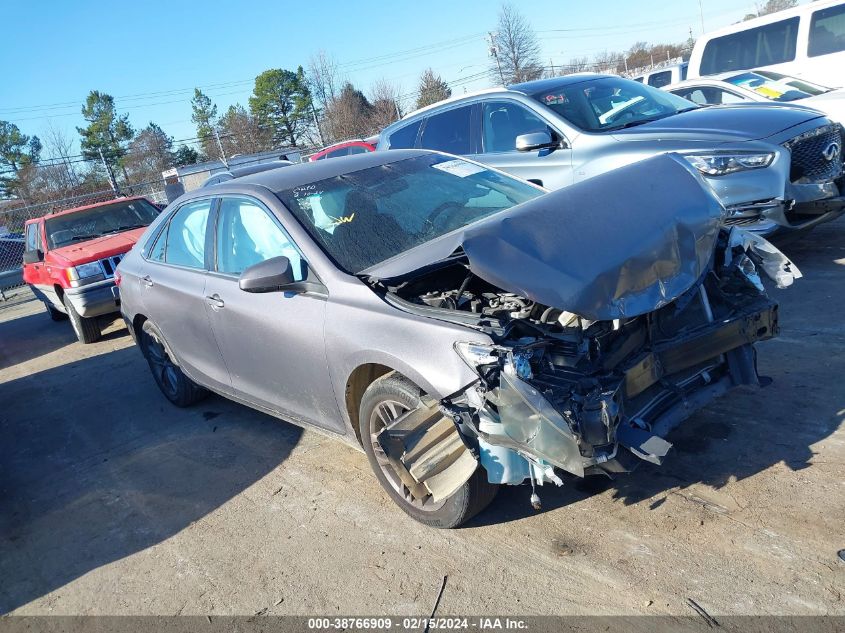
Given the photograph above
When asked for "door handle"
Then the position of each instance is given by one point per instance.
(215, 301)
(147, 281)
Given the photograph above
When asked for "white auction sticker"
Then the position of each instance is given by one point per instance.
(459, 168)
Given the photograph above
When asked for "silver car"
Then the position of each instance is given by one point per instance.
(465, 328)
(773, 167)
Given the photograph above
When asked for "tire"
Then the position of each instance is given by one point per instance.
(470, 499)
(87, 330)
(174, 384)
(55, 315)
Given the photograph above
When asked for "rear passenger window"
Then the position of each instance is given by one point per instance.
(449, 131)
(406, 137)
(186, 235)
(762, 46)
(827, 31)
(658, 80)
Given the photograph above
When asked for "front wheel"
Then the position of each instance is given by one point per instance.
(384, 400)
(174, 384)
(87, 329)
(55, 315)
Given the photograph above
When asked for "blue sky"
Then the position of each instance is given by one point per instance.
(149, 55)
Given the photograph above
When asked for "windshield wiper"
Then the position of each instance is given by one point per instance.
(91, 236)
(632, 124)
(128, 227)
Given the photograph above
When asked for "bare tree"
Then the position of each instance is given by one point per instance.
(516, 48)
(384, 97)
(606, 62)
(59, 145)
(576, 65)
(324, 79)
(772, 6)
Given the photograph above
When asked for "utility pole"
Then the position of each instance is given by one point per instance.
(398, 111)
(552, 65)
(701, 13)
(220, 147)
(494, 52)
(109, 172)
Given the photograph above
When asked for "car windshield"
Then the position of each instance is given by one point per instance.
(368, 216)
(610, 103)
(776, 90)
(800, 84)
(85, 225)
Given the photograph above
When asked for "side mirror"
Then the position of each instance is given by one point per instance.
(271, 275)
(534, 140)
(33, 257)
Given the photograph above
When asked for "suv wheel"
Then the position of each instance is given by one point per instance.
(384, 400)
(56, 315)
(87, 329)
(174, 384)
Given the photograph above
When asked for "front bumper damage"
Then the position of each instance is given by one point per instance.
(524, 420)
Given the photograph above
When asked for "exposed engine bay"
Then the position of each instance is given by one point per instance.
(557, 392)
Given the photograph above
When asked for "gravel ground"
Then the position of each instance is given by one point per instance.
(115, 502)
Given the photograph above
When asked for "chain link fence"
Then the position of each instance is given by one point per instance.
(13, 217)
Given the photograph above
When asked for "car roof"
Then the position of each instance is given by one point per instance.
(539, 85)
(308, 172)
(88, 206)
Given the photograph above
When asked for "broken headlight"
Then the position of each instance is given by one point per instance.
(476, 354)
(721, 164)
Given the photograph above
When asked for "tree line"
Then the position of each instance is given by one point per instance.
(308, 107)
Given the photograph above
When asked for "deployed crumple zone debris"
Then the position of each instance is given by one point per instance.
(765, 255)
(607, 313)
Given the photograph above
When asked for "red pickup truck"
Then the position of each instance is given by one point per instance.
(70, 259)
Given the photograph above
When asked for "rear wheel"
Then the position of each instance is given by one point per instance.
(87, 330)
(386, 399)
(56, 315)
(174, 384)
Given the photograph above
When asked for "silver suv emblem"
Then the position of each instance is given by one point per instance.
(831, 152)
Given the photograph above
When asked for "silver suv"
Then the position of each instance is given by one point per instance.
(772, 166)
(463, 327)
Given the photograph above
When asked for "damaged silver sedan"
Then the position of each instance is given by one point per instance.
(465, 328)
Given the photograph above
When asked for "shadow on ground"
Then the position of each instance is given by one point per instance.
(748, 430)
(96, 465)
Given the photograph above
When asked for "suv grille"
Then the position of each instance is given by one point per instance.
(809, 163)
(109, 264)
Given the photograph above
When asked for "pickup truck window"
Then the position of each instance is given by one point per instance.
(80, 226)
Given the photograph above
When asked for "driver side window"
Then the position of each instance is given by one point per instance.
(503, 121)
(248, 235)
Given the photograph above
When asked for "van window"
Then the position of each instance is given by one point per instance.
(761, 46)
(658, 80)
(448, 131)
(405, 137)
(827, 31)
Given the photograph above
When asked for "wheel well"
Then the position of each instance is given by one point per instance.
(137, 324)
(361, 378)
(60, 293)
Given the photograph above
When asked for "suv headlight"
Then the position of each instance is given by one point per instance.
(84, 273)
(476, 354)
(720, 164)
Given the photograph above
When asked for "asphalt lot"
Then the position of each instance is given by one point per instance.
(114, 502)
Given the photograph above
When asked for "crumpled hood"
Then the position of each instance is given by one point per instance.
(719, 124)
(99, 247)
(617, 245)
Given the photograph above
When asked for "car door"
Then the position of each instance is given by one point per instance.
(272, 342)
(173, 293)
(502, 121)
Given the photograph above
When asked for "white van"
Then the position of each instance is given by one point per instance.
(807, 41)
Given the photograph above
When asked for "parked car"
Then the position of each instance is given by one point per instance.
(237, 172)
(749, 86)
(660, 77)
(11, 251)
(807, 41)
(344, 148)
(70, 258)
(465, 328)
(770, 166)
